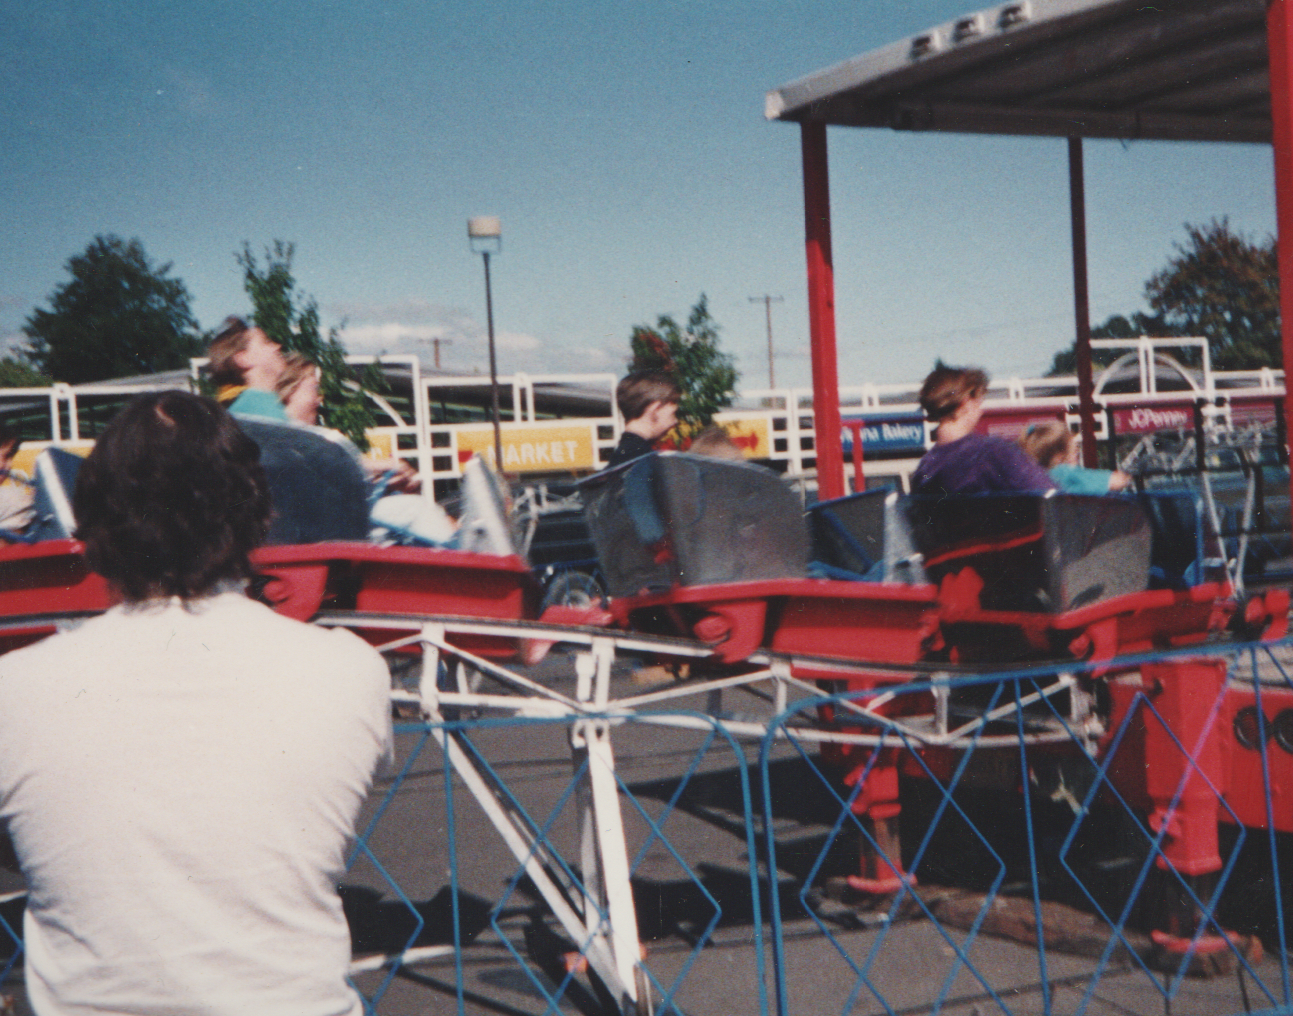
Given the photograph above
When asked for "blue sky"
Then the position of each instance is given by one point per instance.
(624, 147)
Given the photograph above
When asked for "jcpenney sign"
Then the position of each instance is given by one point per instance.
(1145, 419)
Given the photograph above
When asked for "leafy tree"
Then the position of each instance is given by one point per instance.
(1221, 286)
(291, 319)
(118, 315)
(704, 372)
(17, 374)
(1116, 326)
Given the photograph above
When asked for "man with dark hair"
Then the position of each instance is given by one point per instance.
(648, 400)
(180, 775)
(246, 365)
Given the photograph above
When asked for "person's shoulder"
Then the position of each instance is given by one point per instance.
(337, 661)
(59, 653)
(258, 403)
(256, 617)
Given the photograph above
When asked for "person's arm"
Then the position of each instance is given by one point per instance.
(404, 478)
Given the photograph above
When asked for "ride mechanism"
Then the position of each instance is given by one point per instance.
(707, 563)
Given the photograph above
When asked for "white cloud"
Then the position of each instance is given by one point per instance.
(413, 326)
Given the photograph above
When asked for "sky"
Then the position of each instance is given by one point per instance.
(625, 150)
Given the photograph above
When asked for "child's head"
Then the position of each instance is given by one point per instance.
(649, 401)
(947, 389)
(715, 442)
(1049, 442)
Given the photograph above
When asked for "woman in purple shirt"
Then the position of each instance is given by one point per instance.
(963, 461)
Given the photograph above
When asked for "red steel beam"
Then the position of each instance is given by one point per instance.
(1279, 46)
(821, 314)
(859, 478)
(1081, 303)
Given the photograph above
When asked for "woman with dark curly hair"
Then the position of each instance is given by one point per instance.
(180, 775)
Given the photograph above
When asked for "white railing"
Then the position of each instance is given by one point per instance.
(567, 424)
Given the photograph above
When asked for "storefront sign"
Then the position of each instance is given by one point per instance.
(1147, 419)
(888, 435)
(532, 447)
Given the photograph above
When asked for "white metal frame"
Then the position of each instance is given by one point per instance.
(599, 914)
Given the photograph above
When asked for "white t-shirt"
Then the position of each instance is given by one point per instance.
(180, 785)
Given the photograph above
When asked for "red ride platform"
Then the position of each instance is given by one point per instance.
(46, 583)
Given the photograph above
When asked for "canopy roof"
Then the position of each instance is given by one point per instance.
(1174, 70)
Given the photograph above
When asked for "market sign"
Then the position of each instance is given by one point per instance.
(1147, 419)
(887, 435)
(532, 447)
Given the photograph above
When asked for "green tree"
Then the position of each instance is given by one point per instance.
(1225, 287)
(1220, 285)
(16, 373)
(291, 319)
(1116, 326)
(704, 372)
(117, 316)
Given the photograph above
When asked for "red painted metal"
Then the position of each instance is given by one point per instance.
(1081, 302)
(52, 578)
(1279, 47)
(401, 580)
(1245, 789)
(821, 313)
(49, 578)
(818, 617)
(1172, 759)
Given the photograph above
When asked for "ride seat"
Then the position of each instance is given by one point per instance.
(1047, 553)
(865, 537)
(54, 483)
(673, 518)
(317, 488)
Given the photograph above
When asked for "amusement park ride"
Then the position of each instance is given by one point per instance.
(708, 563)
(717, 565)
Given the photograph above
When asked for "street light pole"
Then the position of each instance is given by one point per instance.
(486, 235)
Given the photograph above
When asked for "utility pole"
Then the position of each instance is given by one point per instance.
(767, 302)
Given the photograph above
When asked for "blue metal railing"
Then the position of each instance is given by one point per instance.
(738, 849)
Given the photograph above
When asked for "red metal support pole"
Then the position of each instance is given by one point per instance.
(1279, 48)
(1081, 303)
(859, 478)
(828, 440)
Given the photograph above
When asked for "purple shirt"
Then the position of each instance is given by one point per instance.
(978, 464)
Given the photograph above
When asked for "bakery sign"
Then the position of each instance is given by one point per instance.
(1147, 419)
(888, 435)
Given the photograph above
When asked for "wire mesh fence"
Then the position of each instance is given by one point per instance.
(1055, 840)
